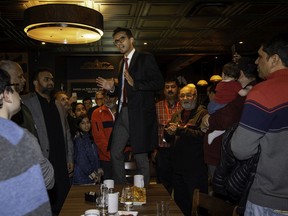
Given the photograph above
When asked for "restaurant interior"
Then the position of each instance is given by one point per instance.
(191, 39)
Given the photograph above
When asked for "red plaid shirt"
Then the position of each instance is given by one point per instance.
(164, 114)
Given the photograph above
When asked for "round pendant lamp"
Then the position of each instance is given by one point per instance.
(63, 24)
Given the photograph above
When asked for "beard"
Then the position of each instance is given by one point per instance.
(171, 95)
(47, 91)
(188, 105)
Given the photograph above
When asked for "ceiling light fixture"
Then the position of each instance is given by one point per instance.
(63, 24)
(215, 78)
(202, 82)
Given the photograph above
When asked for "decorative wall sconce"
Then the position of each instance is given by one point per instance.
(63, 24)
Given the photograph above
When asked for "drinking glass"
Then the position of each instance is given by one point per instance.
(162, 208)
(102, 199)
(128, 198)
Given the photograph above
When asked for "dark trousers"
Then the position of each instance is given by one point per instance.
(184, 185)
(164, 168)
(120, 137)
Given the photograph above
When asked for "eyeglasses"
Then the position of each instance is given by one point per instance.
(119, 41)
(16, 86)
(187, 95)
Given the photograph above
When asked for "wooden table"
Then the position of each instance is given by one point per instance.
(75, 204)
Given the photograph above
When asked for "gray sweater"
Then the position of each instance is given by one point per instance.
(22, 186)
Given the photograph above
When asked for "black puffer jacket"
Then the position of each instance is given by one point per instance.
(232, 177)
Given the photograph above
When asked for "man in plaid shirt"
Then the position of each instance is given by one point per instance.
(165, 109)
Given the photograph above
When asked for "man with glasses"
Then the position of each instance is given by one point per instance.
(22, 185)
(186, 138)
(24, 117)
(136, 123)
(99, 98)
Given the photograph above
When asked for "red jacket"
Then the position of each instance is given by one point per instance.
(102, 121)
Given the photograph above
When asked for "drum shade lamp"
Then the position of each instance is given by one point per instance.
(63, 24)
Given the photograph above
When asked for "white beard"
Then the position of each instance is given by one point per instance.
(188, 105)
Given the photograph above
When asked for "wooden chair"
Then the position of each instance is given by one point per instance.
(215, 206)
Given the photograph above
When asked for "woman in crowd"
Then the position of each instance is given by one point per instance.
(86, 161)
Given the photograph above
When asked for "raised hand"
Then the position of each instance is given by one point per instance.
(107, 84)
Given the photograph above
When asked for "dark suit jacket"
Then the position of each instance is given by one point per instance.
(141, 101)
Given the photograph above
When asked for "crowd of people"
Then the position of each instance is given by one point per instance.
(237, 141)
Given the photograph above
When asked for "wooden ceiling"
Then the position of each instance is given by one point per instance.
(184, 29)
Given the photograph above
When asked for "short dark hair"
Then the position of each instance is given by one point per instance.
(39, 70)
(231, 69)
(172, 79)
(126, 30)
(86, 99)
(278, 45)
(74, 105)
(248, 66)
(79, 119)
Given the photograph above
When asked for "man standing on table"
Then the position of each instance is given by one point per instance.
(136, 123)
(264, 123)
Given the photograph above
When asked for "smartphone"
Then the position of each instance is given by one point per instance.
(74, 96)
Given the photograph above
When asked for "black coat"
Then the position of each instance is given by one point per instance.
(233, 178)
(141, 101)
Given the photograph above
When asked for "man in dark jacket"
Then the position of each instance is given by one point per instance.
(224, 118)
(186, 138)
(226, 178)
(139, 77)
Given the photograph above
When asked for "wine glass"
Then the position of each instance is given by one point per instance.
(128, 198)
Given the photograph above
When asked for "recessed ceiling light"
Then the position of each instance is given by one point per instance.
(145, 43)
(241, 42)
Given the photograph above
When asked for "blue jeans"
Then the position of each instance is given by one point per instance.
(256, 210)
